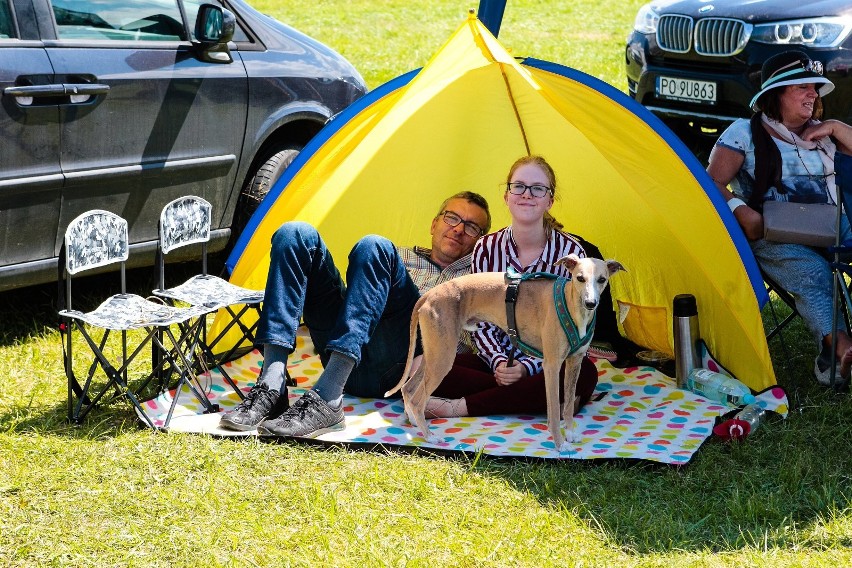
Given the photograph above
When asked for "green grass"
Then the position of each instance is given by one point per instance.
(110, 494)
(387, 38)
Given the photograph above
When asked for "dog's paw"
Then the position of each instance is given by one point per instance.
(433, 439)
(566, 444)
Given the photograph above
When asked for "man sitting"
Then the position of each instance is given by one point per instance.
(361, 328)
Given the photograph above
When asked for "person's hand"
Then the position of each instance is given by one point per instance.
(751, 222)
(839, 131)
(819, 131)
(507, 375)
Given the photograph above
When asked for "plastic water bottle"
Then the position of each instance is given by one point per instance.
(742, 424)
(719, 387)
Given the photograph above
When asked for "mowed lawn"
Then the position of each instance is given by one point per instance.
(111, 494)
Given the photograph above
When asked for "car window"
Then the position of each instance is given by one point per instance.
(7, 29)
(136, 20)
(191, 7)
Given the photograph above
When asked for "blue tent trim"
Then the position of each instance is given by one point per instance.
(331, 127)
(728, 219)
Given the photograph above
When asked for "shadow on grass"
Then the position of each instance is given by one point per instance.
(111, 417)
(29, 314)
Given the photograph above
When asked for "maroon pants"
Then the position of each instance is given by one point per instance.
(471, 379)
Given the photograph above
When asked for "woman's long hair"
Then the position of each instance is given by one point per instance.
(550, 222)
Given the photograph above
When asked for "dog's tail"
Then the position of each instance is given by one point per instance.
(412, 343)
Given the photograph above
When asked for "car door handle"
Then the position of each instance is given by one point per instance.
(78, 92)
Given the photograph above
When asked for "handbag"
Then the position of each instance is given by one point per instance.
(812, 224)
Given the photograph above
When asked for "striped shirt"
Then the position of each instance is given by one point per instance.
(426, 275)
(497, 252)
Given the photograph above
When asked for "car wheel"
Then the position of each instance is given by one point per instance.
(258, 187)
(698, 142)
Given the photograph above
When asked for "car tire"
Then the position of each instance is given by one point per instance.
(698, 143)
(258, 186)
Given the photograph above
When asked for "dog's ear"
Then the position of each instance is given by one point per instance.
(569, 261)
(614, 266)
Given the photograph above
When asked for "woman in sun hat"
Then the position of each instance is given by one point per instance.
(785, 153)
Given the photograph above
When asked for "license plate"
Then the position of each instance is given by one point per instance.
(688, 90)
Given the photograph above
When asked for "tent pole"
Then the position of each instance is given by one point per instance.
(491, 14)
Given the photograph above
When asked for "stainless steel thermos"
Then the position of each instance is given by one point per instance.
(686, 335)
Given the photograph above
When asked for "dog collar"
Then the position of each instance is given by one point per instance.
(575, 342)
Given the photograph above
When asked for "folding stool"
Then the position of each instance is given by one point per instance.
(95, 239)
(186, 221)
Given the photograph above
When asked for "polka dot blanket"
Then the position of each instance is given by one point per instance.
(637, 413)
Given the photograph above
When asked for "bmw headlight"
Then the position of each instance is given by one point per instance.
(815, 32)
(646, 20)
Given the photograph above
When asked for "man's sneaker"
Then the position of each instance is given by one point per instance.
(309, 417)
(259, 404)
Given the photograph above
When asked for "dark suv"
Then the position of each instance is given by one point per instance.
(126, 105)
(696, 63)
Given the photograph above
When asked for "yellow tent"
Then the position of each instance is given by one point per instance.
(625, 184)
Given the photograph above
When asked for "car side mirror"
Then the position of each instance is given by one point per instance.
(214, 28)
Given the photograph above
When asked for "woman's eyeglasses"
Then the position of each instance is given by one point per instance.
(471, 229)
(518, 188)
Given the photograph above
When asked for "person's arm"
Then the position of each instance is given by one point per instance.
(488, 339)
(723, 167)
(479, 259)
(492, 343)
(488, 344)
(840, 132)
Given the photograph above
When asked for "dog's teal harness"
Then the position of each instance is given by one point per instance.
(575, 342)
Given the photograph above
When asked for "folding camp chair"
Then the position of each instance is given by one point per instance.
(187, 221)
(780, 324)
(786, 298)
(841, 251)
(95, 239)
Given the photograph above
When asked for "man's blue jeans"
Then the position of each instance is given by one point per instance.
(368, 320)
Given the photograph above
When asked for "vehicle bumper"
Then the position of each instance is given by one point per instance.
(737, 79)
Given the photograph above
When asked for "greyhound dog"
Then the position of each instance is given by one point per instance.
(463, 302)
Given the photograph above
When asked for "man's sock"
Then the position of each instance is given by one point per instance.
(330, 384)
(274, 370)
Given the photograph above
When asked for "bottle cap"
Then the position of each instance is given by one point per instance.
(684, 306)
(733, 429)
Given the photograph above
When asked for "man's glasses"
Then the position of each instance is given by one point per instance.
(518, 188)
(471, 229)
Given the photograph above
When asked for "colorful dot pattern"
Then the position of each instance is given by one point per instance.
(638, 414)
